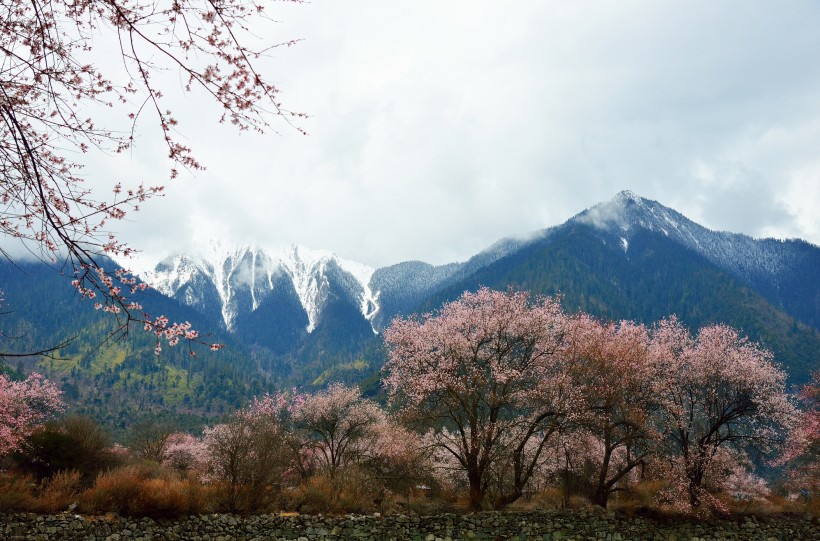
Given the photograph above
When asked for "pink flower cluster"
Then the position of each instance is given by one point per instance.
(507, 375)
(24, 406)
(92, 279)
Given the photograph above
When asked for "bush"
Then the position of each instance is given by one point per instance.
(138, 490)
(59, 492)
(16, 492)
(351, 490)
(316, 495)
(148, 439)
(641, 497)
(549, 498)
(246, 461)
(116, 490)
(74, 443)
(170, 497)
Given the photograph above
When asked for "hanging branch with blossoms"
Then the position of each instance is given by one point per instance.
(51, 96)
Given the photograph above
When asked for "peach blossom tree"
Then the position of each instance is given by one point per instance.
(24, 406)
(802, 452)
(716, 391)
(185, 453)
(337, 426)
(483, 373)
(246, 456)
(610, 368)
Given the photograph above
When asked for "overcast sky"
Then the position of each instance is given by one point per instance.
(438, 127)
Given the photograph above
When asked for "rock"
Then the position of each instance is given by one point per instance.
(543, 525)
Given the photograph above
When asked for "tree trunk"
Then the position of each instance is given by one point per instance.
(600, 496)
(695, 480)
(694, 495)
(476, 491)
(506, 499)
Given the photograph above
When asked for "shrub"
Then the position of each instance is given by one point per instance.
(170, 497)
(59, 492)
(74, 443)
(116, 490)
(549, 498)
(149, 439)
(138, 490)
(316, 495)
(16, 492)
(351, 490)
(246, 459)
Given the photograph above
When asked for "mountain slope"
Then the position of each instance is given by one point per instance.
(235, 281)
(118, 380)
(303, 317)
(784, 272)
(629, 257)
(649, 277)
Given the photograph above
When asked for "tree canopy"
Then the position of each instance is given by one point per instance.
(497, 379)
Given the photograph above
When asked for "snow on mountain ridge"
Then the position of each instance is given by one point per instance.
(248, 269)
(308, 270)
(363, 274)
(242, 276)
(743, 255)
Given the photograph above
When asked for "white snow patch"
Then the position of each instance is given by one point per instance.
(168, 282)
(307, 269)
(226, 265)
(369, 301)
(671, 221)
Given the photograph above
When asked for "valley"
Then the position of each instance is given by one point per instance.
(306, 317)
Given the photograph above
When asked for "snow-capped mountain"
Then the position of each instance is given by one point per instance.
(743, 255)
(237, 280)
(784, 271)
(313, 306)
(305, 317)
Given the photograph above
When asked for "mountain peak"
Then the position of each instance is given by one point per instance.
(628, 211)
(628, 195)
(240, 276)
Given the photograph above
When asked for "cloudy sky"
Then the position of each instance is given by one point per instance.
(438, 127)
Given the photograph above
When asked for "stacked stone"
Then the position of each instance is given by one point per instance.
(531, 526)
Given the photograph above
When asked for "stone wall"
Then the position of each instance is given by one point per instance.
(541, 525)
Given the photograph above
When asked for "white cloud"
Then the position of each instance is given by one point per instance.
(438, 127)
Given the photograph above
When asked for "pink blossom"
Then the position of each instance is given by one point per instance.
(802, 452)
(489, 366)
(716, 392)
(47, 82)
(24, 406)
(610, 368)
(184, 452)
(338, 425)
